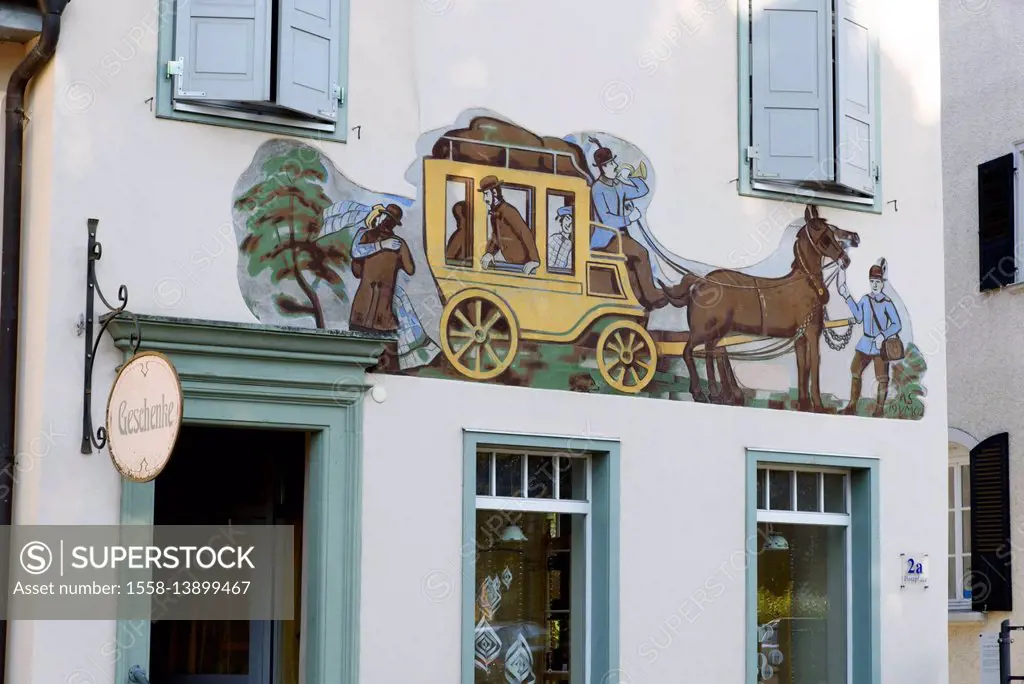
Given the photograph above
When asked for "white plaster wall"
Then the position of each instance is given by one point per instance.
(682, 526)
(982, 72)
(162, 192)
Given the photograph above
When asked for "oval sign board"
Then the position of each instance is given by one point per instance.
(144, 416)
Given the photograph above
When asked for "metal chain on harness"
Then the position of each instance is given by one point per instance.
(836, 340)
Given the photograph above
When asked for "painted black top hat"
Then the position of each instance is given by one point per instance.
(603, 155)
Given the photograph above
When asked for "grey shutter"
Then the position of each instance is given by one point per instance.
(309, 57)
(996, 230)
(791, 93)
(225, 46)
(991, 567)
(855, 98)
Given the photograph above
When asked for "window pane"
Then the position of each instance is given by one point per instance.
(807, 496)
(509, 475)
(965, 485)
(762, 475)
(952, 496)
(483, 474)
(952, 532)
(458, 229)
(966, 532)
(524, 601)
(801, 605)
(540, 477)
(966, 582)
(572, 478)
(951, 591)
(780, 489)
(561, 219)
(835, 493)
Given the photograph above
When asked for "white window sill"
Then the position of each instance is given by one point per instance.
(965, 616)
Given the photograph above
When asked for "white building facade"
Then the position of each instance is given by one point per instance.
(615, 332)
(981, 160)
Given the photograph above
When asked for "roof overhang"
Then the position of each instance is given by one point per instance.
(20, 21)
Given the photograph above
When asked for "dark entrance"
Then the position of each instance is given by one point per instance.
(221, 476)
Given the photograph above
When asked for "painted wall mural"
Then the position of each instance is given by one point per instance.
(528, 260)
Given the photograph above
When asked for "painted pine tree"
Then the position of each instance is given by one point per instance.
(286, 237)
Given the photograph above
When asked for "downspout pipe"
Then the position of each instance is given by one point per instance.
(10, 265)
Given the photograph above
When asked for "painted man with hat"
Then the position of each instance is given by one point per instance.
(613, 194)
(560, 243)
(510, 234)
(877, 313)
(377, 256)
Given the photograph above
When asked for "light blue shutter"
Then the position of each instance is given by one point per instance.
(791, 85)
(309, 57)
(225, 49)
(855, 96)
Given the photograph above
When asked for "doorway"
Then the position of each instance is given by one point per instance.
(230, 476)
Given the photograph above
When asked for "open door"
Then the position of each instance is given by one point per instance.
(222, 476)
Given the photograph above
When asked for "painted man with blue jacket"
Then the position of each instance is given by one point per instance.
(877, 313)
(612, 195)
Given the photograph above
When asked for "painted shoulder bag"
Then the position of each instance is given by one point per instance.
(892, 348)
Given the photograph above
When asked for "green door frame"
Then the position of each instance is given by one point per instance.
(255, 376)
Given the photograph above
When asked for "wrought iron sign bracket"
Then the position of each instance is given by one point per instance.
(95, 251)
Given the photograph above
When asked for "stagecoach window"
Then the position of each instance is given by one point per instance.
(531, 570)
(458, 231)
(561, 221)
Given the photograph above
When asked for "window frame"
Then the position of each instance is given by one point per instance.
(1018, 213)
(862, 553)
(601, 537)
(955, 467)
(268, 123)
(746, 186)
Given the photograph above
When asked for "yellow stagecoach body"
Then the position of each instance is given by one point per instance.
(550, 305)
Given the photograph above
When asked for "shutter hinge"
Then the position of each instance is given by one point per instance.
(877, 172)
(176, 69)
(337, 97)
(752, 153)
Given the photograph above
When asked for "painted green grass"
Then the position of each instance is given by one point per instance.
(574, 368)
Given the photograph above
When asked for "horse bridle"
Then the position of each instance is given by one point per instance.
(820, 285)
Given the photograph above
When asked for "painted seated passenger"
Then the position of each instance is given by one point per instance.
(560, 243)
(510, 235)
(458, 247)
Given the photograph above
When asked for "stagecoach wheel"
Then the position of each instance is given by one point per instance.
(626, 356)
(479, 335)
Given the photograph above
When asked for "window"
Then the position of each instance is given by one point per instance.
(561, 232)
(980, 545)
(959, 590)
(269, 64)
(809, 102)
(803, 597)
(813, 545)
(542, 522)
(458, 229)
(531, 566)
(519, 198)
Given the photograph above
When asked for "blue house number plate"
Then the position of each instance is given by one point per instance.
(914, 569)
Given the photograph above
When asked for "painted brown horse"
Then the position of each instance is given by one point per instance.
(726, 302)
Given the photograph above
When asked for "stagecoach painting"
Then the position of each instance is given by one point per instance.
(519, 244)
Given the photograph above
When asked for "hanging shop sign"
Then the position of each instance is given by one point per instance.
(144, 416)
